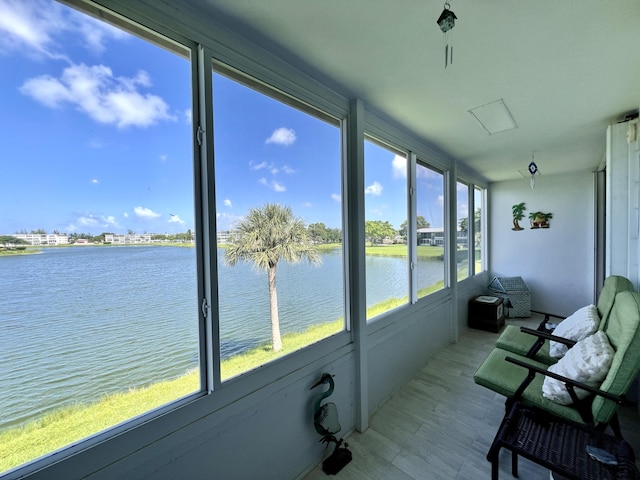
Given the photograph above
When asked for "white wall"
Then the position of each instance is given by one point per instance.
(557, 263)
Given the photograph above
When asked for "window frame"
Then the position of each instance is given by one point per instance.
(210, 63)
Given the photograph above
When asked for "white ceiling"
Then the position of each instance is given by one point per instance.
(565, 69)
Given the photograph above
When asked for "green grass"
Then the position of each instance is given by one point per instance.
(70, 424)
(424, 251)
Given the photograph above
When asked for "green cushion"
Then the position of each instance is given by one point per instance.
(613, 285)
(623, 330)
(504, 378)
(513, 340)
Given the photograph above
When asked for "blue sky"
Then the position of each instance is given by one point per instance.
(96, 137)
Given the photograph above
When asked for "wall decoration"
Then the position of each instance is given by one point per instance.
(533, 169)
(518, 214)
(540, 219)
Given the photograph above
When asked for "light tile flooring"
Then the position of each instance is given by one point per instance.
(440, 424)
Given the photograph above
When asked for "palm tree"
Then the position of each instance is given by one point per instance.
(267, 235)
(518, 214)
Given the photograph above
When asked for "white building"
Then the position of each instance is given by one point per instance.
(42, 239)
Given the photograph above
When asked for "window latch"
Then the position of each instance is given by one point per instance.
(205, 308)
(199, 134)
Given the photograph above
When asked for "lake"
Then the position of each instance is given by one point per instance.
(77, 323)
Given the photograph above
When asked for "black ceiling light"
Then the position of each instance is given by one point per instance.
(446, 22)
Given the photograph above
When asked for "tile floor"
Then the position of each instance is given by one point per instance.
(439, 425)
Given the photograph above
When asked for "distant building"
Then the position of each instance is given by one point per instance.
(223, 236)
(435, 236)
(126, 239)
(43, 238)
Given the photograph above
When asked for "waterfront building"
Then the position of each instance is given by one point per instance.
(42, 239)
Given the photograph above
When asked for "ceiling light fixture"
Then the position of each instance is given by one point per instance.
(494, 117)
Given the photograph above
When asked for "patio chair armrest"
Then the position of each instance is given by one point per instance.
(548, 336)
(548, 315)
(567, 381)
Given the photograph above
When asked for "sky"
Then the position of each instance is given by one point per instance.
(96, 137)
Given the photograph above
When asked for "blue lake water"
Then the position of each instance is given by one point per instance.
(81, 322)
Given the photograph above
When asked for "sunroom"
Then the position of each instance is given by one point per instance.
(185, 124)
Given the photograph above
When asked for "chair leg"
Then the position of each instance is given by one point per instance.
(615, 425)
(514, 464)
(495, 467)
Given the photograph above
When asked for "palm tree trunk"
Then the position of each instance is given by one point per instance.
(276, 340)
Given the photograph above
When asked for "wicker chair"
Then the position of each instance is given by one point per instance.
(533, 344)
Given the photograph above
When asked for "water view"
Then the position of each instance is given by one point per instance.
(78, 323)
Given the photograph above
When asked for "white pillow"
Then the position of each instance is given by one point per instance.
(588, 362)
(581, 324)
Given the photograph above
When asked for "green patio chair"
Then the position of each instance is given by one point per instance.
(529, 343)
(519, 378)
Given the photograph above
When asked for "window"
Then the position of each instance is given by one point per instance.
(478, 241)
(431, 232)
(462, 233)
(100, 320)
(279, 219)
(386, 231)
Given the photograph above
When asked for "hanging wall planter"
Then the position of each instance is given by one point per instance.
(540, 219)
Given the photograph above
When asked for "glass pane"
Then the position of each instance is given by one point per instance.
(99, 318)
(430, 229)
(387, 261)
(478, 201)
(462, 234)
(279, 217)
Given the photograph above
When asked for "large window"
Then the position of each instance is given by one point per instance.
(478, 241)
(279, 223)
(99, 320)
(431, 232)
(462, 230)
(386, 229)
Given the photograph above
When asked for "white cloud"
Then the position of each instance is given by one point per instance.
(188, 115)
(463, 209)
(145, 213)
(259, 166)
(176, 219)
(273, 185)
(336, 197)
(226, 221)
(105, 98)
(96, 143)
(379, 211)
(32, 26)
(94, 181)
(288, 169)
(163, 157)
(399, 166)
(125, 214)
(227, 203)
(440, 200)
(111, 221)
(374, 189)
(282, 136)
(307, 204)
(87, 222)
